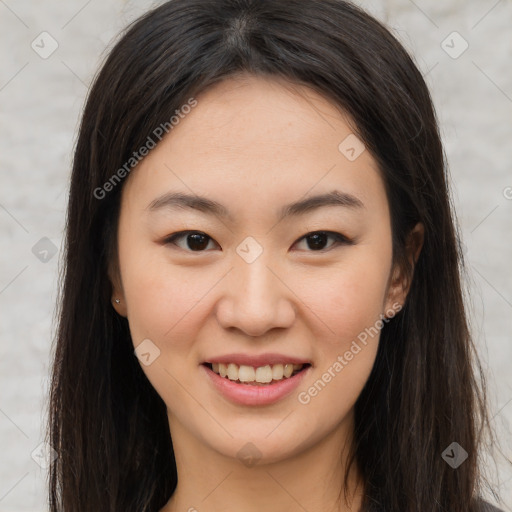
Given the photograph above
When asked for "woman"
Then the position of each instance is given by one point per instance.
(262, 305)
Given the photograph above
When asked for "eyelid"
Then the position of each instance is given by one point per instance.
(340, 239)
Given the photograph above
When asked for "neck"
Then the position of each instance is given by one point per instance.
(310, 479)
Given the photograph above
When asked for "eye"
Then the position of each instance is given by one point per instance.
(195, 240)
(316, 240)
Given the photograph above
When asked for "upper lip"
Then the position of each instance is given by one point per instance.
(257, 360)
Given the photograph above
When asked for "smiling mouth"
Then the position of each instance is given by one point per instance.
(260, 376)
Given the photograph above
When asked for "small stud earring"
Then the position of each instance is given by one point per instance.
(117, 301)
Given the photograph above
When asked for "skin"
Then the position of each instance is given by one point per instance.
(254, 145)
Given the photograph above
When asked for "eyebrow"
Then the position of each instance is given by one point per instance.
(174, 200)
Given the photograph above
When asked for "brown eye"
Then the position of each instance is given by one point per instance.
(194, 240)
(197, 241)
(317, 240)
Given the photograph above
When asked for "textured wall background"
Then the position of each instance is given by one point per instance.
(464, 48)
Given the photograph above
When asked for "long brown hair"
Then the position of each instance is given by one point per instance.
(106, 422)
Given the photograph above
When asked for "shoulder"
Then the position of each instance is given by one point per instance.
(484, 506)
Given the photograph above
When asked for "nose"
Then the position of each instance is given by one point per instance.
(256, 299)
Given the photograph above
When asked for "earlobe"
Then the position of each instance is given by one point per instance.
(118, 300)
(119, 305)
(397, 290)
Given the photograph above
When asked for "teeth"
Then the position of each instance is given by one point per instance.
(246, 374)
(232, 371)
(277, 372)
(262, 374)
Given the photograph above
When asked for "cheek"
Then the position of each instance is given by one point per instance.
(350, 307)
(161, 298)
(350, 304)
(350, 297)
(164, 306)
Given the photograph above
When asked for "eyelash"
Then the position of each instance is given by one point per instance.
(339, 239)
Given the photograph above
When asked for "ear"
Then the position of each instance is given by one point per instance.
(402, 273)
(117, 299)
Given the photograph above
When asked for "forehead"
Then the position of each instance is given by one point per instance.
(259, 141)
(252, 113)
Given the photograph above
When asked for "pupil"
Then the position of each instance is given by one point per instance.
(197, 241)
(319, 239)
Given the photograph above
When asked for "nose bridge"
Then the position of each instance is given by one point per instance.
(254, 283)
(255, 299)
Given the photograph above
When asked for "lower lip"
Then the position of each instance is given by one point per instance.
(247, 394)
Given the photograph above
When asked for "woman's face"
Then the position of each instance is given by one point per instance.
(251, 289)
